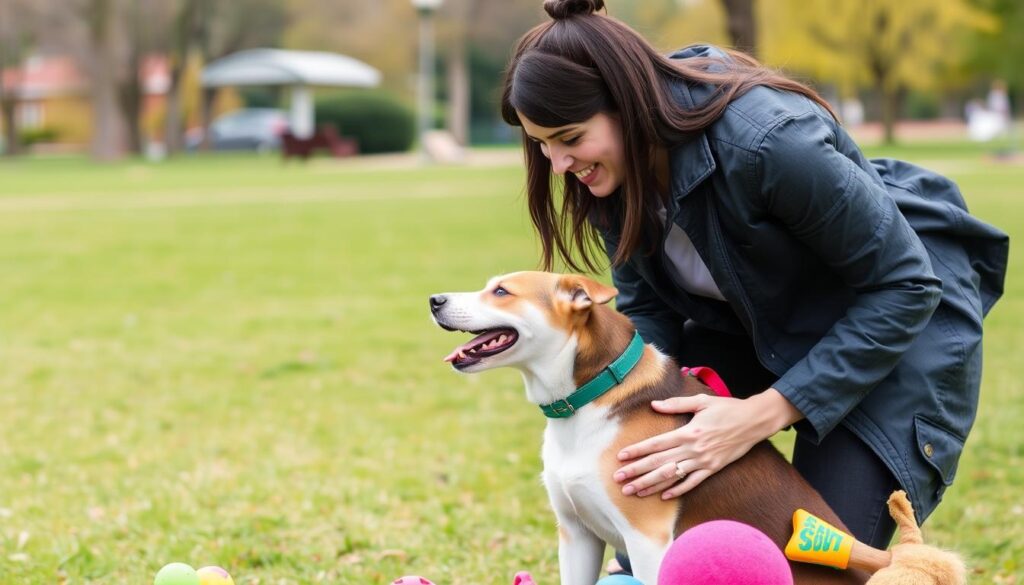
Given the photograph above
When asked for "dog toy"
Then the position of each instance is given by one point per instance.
(176, 574)
(619, 580)
(724, 552)
(910, 562)
(523, 578)
(214, 576)
(412, 580)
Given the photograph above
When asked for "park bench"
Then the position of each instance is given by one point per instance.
(326, 138)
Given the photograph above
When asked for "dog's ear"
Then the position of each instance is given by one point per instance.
(584, 292)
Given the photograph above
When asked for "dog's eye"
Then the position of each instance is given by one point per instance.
(501, 292)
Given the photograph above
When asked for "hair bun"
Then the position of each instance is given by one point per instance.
(559, 9)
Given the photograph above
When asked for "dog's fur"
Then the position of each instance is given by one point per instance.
(559, 334)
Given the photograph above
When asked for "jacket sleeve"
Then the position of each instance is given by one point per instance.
(655, 320)
(835, 208)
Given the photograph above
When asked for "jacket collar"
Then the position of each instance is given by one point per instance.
(690, 162)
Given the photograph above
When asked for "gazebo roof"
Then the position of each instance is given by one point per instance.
(284, 67)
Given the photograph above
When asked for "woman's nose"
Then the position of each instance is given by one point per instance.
(561, 161)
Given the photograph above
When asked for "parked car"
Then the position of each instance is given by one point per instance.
(257, 129)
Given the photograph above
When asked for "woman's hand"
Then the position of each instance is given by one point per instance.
(722, 430)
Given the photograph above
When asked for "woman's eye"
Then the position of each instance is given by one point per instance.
(571, 141)
(500, 292)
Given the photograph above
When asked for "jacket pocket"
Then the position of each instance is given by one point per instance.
(939, 447)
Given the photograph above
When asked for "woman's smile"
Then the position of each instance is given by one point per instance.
(586, 175)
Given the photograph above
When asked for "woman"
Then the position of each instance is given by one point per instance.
(746, 231)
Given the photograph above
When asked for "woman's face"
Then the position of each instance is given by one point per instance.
(591, 150)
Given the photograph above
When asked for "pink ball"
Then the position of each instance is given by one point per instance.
(412, 580)
(724, 552)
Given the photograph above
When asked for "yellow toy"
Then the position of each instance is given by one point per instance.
(909, 562)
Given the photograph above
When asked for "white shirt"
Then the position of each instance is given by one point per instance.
(685, 264)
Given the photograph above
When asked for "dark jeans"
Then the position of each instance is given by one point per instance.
(848, 474)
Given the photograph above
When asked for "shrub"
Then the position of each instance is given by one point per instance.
(921, 106)
(377, 120)
(42, 134)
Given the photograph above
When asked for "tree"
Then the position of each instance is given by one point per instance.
(15, 42)
(996, 51)
(104, 61)
(457, 18)
(742, 25)
(381, 33)
(384, 34)
(95, 34)
(229, 26)
(468, 28)
(183, 40)
(886, 46)
(672, 24)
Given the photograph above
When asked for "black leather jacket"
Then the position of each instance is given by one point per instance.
(861, 283)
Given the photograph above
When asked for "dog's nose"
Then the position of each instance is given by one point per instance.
(436, 302)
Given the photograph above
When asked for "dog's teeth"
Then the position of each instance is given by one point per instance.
(462, 354)
(501, 339)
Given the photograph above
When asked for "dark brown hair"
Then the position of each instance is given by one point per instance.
(582, 63)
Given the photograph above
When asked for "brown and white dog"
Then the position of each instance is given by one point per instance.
(557, 331)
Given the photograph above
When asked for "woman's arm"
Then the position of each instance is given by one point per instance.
(840, 213)
(834, 207)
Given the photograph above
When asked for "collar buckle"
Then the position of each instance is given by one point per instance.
(563, 408)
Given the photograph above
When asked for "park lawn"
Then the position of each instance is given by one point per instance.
(227, 360)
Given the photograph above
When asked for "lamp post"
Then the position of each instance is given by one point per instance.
(425, 87)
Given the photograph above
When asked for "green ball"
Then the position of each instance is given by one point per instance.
(176, 574)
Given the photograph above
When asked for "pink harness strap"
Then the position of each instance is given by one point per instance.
(710, 378)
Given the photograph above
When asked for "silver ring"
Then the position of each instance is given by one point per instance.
(679, 470)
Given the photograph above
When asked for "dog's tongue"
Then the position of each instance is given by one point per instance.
(481, 339)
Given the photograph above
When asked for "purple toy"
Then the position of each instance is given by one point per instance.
(412, 580)
(724, 552)
(523, 578)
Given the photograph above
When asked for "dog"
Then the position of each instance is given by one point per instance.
(558, 331)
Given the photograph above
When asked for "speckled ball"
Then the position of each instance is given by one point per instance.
(176, 574)
(214, 576)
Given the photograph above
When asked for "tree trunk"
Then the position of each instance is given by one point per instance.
(10, 56)
(190, 29)
(173, 129)
(108, 132)
(458, 92)
(130, 100)
(206, 114)
(12, 144)
(892, 98)
(742, 25)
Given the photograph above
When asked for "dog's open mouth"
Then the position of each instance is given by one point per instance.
(488, 343)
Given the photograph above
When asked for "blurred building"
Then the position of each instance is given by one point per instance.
(52, 102)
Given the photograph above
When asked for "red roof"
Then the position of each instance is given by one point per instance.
(44, 76)
(49, 76)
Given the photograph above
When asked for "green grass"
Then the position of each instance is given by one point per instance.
(227, 360)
